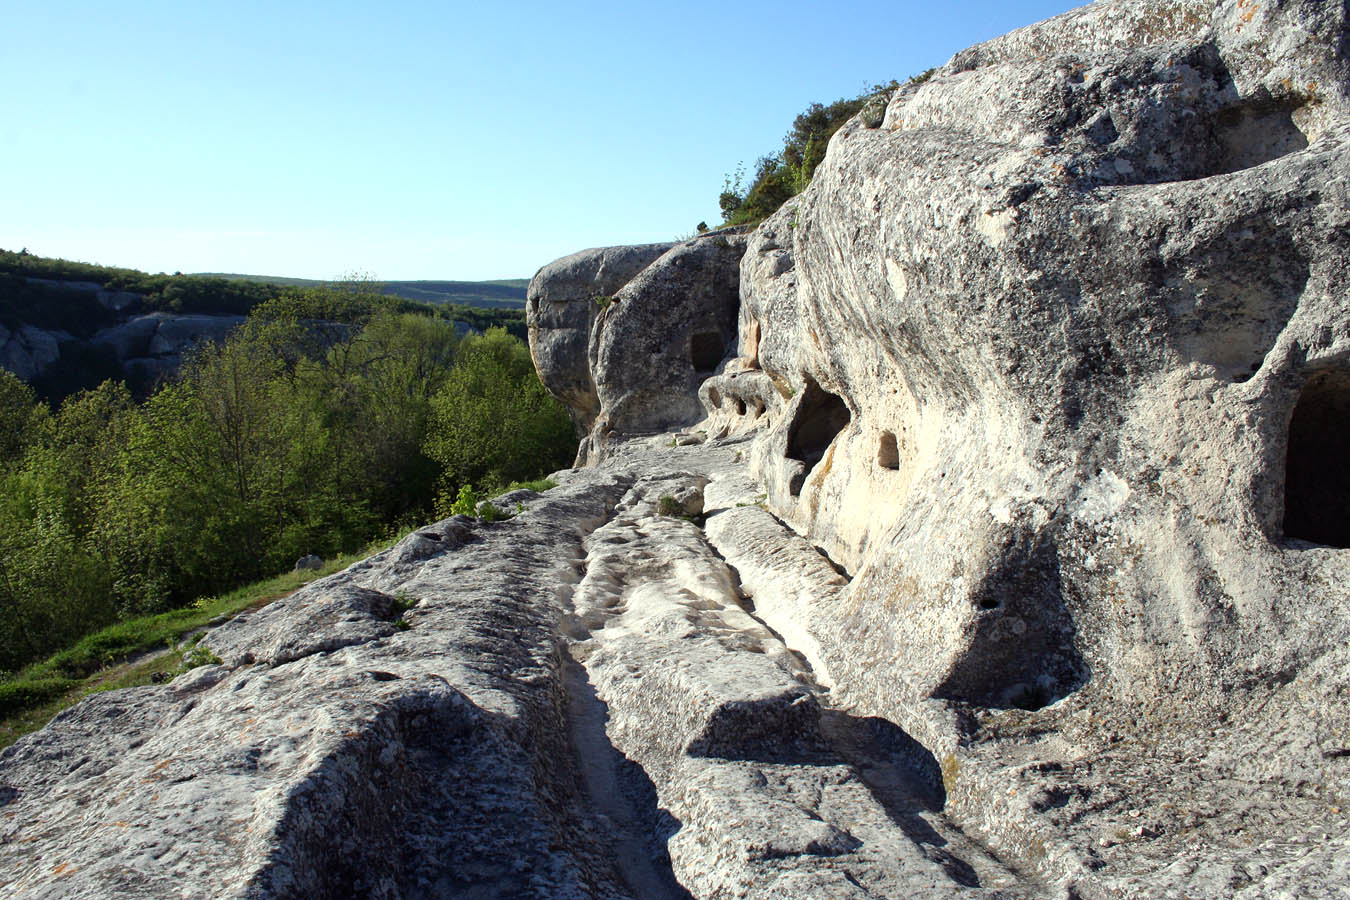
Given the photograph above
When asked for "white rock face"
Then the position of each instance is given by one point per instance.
(1009, 558)
(561, 306)
(653, 322)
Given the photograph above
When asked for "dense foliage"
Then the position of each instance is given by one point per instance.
(324, 420)
(781, 177)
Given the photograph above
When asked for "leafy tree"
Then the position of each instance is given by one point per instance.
(22, 418)
(54, 584)
(781, 177)
(405, 360)
(294, 436)
(493, 422)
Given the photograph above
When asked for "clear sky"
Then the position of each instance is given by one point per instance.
(412, 139)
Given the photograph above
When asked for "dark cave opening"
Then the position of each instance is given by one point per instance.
(1257, 132)
(1317, 464)
(706, 350)
(820, 416)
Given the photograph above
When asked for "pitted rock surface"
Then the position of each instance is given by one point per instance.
(1009, 558)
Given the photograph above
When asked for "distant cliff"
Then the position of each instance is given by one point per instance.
(66, 326)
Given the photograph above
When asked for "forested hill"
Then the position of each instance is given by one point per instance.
(506, 293)
(67, 326)
(319, 421)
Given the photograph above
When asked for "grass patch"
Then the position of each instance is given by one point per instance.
(112, 658)
(539, 485)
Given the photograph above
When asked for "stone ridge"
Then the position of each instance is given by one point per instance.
(624, 336)
(977, 526)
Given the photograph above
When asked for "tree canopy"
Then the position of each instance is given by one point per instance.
(320, 424)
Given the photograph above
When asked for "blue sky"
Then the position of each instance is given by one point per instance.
(412, 139)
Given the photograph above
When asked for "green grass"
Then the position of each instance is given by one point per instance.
(111, 658)
(538, 486)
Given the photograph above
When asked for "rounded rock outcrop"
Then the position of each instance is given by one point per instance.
(627, 354)
(1033, 348)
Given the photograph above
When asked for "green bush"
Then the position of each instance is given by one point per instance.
(25, 693)
(493, 422)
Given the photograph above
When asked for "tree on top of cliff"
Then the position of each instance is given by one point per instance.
(783, 176)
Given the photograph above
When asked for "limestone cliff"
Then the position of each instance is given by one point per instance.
(978, 525)
(144, 347)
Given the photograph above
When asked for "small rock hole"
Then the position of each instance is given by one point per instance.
(740, 407)
(706, 350)
(820, 416)
(888, 452)
(1030, 696)
(1102, 130)
(988, 603)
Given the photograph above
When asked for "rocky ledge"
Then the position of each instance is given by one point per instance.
(977, 525)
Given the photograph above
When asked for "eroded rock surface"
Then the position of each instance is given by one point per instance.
(577, 702)
(28, 351)
(1008, 559)
(1056, 363)
(653, 321)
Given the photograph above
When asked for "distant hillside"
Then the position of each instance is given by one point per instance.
(66, 326)
(505, 293)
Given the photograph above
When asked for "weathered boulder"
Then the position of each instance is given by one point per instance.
(561, 305)
(1060, 347)
(309, 561)
(662, 334)
(649, 342)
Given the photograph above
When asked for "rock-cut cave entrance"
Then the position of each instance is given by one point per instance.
(820, 416)
(706, 350)
(1317, 465)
